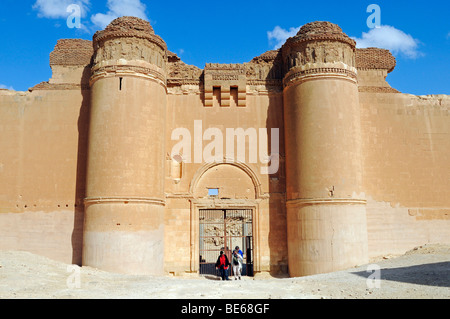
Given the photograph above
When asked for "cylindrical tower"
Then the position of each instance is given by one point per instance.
(326, 214)
(124, 216)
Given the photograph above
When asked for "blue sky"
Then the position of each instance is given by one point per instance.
(417, 32)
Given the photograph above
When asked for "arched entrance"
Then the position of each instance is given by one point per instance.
(224, 214)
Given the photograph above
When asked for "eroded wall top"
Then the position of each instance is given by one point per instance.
(262, 73)
(74, 52)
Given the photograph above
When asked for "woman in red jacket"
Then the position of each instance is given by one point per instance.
(222, 264)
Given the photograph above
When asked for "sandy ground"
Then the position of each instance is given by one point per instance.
(422, 273)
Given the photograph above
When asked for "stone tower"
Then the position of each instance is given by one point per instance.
(124, 216)
(326, 211)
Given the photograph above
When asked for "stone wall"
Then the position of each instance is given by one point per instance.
(405, 150)
(406, 143)
(42, 171)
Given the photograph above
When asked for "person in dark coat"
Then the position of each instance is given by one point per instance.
(223, 264)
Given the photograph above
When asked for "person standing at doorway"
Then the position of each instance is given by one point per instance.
(239, 252)
(237, 261)
(222, 264)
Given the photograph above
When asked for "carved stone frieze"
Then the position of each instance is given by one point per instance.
(131, 49)
(129, 46)
(319, 47)
(314, 70)
(313, 52)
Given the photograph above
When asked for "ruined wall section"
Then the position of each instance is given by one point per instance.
(70, 62)
(373, 66)
(265, 74)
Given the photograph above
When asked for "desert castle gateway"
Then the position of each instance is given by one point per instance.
(339, 166)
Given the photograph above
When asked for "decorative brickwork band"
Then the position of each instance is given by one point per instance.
(321, 31)
(72, 52)
(128, 27)
(374, 58)
(302, 74)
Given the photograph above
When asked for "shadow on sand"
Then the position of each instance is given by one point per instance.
(434, 274)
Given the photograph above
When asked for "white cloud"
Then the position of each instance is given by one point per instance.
(119, 8)
(279, 35)
(56, 9)
(5, 87)
(388, 37)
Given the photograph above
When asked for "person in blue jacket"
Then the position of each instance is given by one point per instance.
(239, 251)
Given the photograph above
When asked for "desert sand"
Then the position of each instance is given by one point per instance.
(422, 273)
